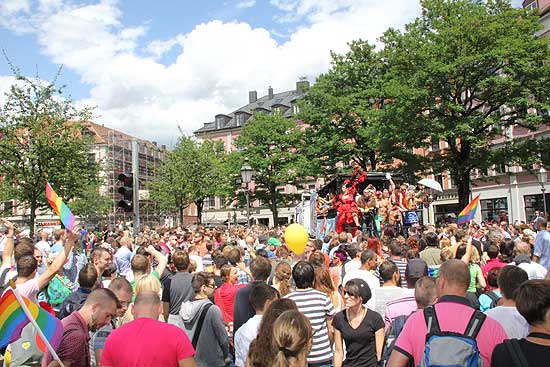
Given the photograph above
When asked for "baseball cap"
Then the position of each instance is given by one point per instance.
(274, 242)
(262, 238)
(416, 268)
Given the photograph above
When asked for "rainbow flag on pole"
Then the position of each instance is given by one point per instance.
(60, 208)
(13, 318)
(468, 213)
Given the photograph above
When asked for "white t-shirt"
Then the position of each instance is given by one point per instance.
(198, 261)
(371, 280)
(243, 337)
(383, 295)
(510, 319)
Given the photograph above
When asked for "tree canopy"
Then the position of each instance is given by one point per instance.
(271, 143)
(189, 174)
(43, 138)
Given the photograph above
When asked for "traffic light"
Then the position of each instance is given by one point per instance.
(127, 192)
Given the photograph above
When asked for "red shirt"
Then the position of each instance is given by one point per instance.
(146, 342)
(491, 264)
(224, 298)
(74, 342)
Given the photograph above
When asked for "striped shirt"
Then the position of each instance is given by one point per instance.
(316, 306)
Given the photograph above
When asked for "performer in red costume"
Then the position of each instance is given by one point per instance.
(348, 213)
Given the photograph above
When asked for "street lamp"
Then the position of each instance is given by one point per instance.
(246, 176)
(542, 175)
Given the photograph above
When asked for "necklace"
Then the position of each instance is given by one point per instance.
(358, 316)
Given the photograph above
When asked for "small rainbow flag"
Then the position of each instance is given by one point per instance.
(13, 319)
(468, 213)
(60, 208)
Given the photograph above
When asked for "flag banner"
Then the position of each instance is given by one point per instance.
(60, 208)
(13, 318)
(468, 213)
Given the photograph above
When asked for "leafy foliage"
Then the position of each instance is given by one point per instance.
(189, 174)
(272, 145)
(43, 138)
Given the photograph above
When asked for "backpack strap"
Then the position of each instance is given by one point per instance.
(514, 350)
(198, 329)
(3, 276)
(476, 321)
(431, 321)
(494, 298)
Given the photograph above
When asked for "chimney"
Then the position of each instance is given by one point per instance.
(270, 92)
(252, 96)
(163, 147)
(302, 85)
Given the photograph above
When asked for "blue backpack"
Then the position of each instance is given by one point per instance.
(445, 348)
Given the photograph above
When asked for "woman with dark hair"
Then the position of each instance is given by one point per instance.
(506, 250)
(533, 303)
(361, 329)
(261, 352)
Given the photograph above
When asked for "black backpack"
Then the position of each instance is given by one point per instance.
(494, 298)
(391, 337)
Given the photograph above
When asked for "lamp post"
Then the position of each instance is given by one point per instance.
(541, 176)
(246, 176)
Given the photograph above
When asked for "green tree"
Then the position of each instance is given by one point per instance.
(466, 72)
(42, 138)
(189, 174)
(345, 112)
(271, 143)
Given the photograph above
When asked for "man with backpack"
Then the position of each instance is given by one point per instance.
(458, 335)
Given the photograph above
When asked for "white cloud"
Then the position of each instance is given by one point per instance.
(216, 67)
(243, 4)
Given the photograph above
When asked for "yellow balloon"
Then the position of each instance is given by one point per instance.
(296, 238)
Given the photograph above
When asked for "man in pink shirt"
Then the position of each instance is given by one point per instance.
(146, 342)
(453, 311)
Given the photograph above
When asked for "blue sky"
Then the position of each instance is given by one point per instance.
(149, 66)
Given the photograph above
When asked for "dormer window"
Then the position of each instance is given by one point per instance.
(240, 118)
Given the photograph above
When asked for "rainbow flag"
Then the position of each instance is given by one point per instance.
(60, 208)
(13, 319)
(468, 213)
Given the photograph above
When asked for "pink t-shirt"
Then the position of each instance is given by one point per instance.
(453, 315)
(29, 289)
(133, 345)
(403, 306)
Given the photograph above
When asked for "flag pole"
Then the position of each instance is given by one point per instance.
(38, 330)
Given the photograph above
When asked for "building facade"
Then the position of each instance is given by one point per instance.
(226, 128)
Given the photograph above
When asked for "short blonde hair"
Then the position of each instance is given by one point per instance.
(147, 283)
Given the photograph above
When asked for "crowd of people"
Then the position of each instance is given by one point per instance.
(238, 296)
(364, 207)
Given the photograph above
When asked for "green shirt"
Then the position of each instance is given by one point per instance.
(133, 283)
(474, 271)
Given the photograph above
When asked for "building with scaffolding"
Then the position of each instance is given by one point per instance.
(112, 149)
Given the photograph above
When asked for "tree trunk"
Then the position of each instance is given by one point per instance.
(181, 215)
(463, 187)
(32, 218)
(372, 159)
(274, 210)
(199, 204)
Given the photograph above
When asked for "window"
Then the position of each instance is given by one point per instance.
(500, 168)
(494, 209)
(219, 122)
(435, 145)
(532, 6)
(439, 178)
(210, 202)
(533, 203)
(240, 119)
(295, 109)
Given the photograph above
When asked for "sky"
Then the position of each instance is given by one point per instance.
(148, 67)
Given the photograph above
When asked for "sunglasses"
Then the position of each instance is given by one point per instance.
(210, 286)
(347, 293)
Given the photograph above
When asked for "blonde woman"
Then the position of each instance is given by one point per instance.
(292, 339)
(145, 283)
